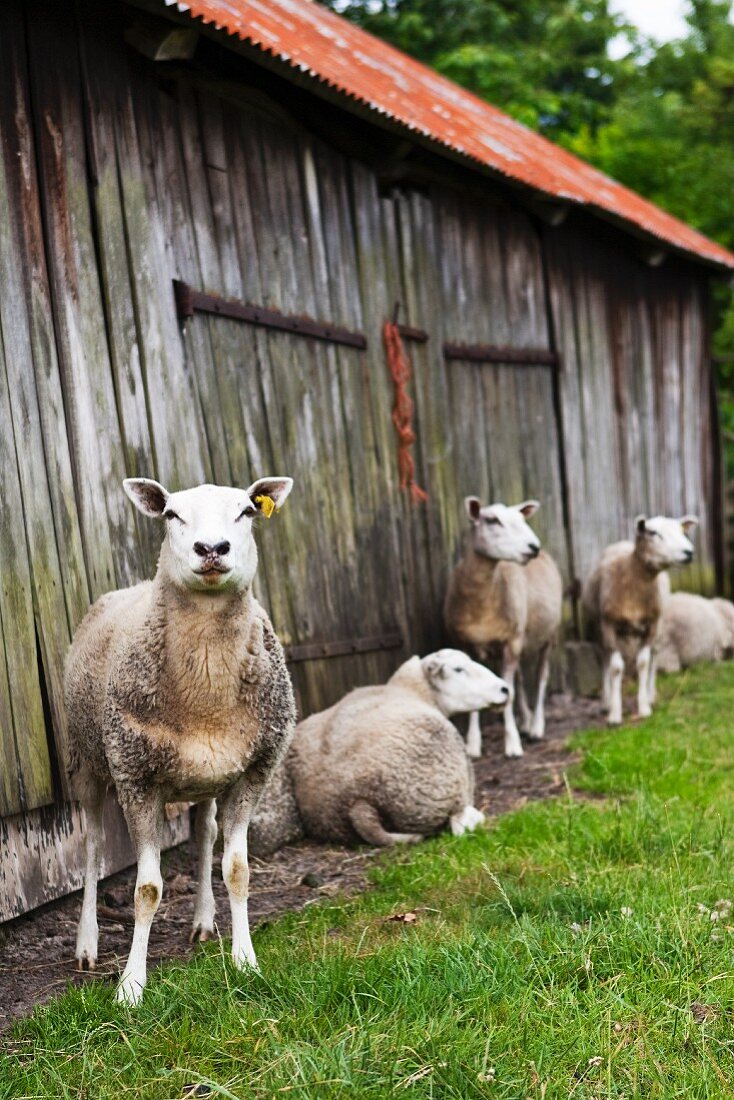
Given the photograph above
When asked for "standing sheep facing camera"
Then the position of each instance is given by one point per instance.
(505, 594)
(177, 690)
(384, 765)
(625, 594)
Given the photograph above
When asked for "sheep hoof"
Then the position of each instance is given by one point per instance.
(200, 934)
(614, 721)
(129, 992)
(514, 753)
(86, 962)
(645, 712)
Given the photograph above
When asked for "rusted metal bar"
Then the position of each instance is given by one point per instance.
(491, 353)
(190, 301)
(409, 333)
(314, 651)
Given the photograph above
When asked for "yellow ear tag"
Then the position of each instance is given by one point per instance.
(267, 505)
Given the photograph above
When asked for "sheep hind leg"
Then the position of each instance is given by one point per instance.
(523, 707)
(206, 834)
(537, 727)
(365, 821)
(513, 744)
(87, 935)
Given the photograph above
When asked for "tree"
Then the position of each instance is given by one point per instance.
(545, 62)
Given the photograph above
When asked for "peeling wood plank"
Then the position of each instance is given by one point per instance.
(43, 853)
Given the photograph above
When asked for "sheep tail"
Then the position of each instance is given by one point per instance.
(366, 823)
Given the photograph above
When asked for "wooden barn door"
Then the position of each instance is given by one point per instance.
(484, 382)
(269, 224)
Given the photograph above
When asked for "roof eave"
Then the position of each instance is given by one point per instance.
(319, 85)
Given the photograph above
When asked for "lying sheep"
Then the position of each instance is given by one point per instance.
(176, 689)
(505, 594)
(692, 630)
(384, 765)
(625, 593)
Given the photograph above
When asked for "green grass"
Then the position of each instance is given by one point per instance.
(556, 954)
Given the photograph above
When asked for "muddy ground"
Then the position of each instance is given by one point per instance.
(37, 950)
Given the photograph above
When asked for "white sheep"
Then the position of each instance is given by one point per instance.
(625, 594)
(694, 629)
(176, 689)
(384, 765)
(505, 595)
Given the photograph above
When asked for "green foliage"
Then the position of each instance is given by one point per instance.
(660, 120)
(579, 947)
(544, 61)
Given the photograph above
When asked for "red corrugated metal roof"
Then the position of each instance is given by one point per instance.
(314, 40)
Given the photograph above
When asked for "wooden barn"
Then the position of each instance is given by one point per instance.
(208, 211)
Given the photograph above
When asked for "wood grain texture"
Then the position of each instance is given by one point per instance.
(118, 175)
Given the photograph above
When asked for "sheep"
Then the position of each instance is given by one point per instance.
(625, 593)
(505, 594)
(384, 765)
(725, 609)
(177, 689)
(694, 629)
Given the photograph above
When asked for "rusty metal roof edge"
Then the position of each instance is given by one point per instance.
(706, 252)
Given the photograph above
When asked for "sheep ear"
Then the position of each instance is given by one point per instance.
(473, 507)
(433, 669)
(528, 508)
(268, 494)
(688, 523)
(640, 522)
(149, 497)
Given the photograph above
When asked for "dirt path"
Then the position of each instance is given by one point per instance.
(37, 951)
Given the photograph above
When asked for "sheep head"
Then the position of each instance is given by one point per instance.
(661, 541)
(500, 532)
(209, 544)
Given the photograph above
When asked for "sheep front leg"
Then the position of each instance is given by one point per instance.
(238, 810)
(644, 661)
(145, 821)
(206, 835)
(653, 679)
(87, 934)
(614, 675)
(537, 729)
(510, 661)
(474, 736)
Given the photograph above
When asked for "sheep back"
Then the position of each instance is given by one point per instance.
(384, 745)
(489, 604)
(692, 630)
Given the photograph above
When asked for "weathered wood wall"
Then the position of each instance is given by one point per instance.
(118, 176)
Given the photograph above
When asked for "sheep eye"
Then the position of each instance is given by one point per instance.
(493, 520)
(459, 670)
(249, 510)
(170, 514)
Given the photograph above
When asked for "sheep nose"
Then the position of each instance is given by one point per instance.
(688, 555)
(534, 550)
(203, 549)
(505, 691)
